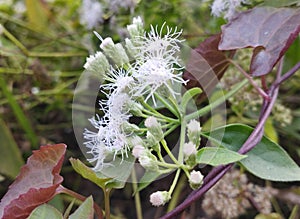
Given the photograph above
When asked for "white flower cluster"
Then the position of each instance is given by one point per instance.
(154, 70)
(226, 7)
(91, 13)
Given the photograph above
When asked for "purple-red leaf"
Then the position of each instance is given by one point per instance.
(271, 31)
(36, 183)
(206, 65)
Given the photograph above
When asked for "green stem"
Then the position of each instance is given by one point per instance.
(152, 111)
(216, 103)
(14, 40)
(172, 109)
(107, 202)
(182, 140)
(137, 198)
(165, 146)
(167, 165)
(174, 182)
(177, 193)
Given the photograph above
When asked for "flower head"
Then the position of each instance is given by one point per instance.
(196, 179)
(159, 198)
(193, 131)
(226, 7)
(189, 149)
(97, 63)
(90, 13)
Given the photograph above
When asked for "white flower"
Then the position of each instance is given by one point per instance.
(114, 51)
(159, 198)
(90, 13)
(155, 44)
(189, 149)
(195, 179)
(118, 80)
(193, 126)
(97, 63)
(138, 150)
(153, 74)
(226, 7)
(193, 131)
(136, 29)
(151, 121)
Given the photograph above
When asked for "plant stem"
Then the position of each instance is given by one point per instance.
(137, 198)
(64, 190)
(217, 173)
(107, 202)
(259, 90)
(165, 146)
(216, 103)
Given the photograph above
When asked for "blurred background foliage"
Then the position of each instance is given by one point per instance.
(43, 46)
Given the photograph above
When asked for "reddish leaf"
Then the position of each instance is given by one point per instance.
(36, 183)
(206, 65)
(270, 31)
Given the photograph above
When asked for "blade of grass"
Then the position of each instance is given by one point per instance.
(20, 115)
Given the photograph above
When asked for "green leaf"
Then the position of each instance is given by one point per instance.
(147, 178)
(267, 160)
(216, 156)
(37, 14)
(85, 211)
(11, 161)
(88, 173)
(45, 211)
(188, 95)
(119, 170)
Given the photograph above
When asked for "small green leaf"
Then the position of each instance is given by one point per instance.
(88, 173)
(45, 211)
(216, 156)
(147, 178)
(119, 170)
(267, 160)
(85, 211)
(37, 14)
(11, 161)
(188, 95)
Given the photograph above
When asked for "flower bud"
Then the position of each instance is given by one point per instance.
(97, 64)
(195, 179)
(154, 128)
(131, 49)
(159, 198)
(193, 131)
(138, 151)
(136, 29)
(148, 161)
(115, 52)
(189, 149)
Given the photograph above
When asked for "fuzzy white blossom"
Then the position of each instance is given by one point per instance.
(156, 69)
(97, 63)
(195, 179)
(193, 131)
(189, 149)
(138, 150)
(90, 13)
(226, 7)
(159, 198)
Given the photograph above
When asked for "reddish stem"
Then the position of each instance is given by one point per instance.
(64, 190)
